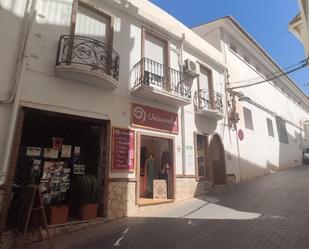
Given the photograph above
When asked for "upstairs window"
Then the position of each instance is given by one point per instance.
(248, 118)
(90, 23)
(247, 59)
(282, 132)
(270, 127)
(204, 79)
(155, 48)
(205, 88)
(233, 47)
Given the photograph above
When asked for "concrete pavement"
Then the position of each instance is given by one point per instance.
(268, 212)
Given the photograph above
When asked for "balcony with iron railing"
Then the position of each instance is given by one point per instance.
(152, 80)
(87, 60)
(208, 104)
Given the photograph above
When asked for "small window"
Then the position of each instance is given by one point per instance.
(248, 118)
(258, 69)
(233, 47)
(282, 133)
(270, 127)
(247, 59)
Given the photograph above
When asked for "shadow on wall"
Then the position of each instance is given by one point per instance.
(285, 151)
(290, 147)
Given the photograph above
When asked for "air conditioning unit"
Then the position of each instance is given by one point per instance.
(190, 68)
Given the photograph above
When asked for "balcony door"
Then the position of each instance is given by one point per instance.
(154, 51)
(92, 43)
(93, 25)
(155, 48)
(205, 88)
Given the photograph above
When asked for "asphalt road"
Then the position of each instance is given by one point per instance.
(268, 212)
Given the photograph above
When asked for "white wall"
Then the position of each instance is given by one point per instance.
(198, 123)
(11, 14)
(258, 153)
(43, 89)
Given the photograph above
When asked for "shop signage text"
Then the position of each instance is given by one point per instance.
(123, 149)
(154, 118)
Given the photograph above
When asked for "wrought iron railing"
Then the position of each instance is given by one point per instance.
(151, 73)
(205, 100)
(90, 52)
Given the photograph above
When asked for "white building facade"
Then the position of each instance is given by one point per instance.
(122, 91)
(270, 133)
(96, 88)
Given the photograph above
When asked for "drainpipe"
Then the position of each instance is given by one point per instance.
(183, 123)
(28, 19)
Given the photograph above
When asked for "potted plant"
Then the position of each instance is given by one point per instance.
(58, 214)
(57, 211)
(88, 189)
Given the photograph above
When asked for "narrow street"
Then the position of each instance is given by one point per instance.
(268, 212)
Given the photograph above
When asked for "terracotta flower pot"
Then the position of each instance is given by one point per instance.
(88, 211)
(58, 214)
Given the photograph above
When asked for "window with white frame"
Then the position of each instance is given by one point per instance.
(248, 118)
(270, 127)
(247, 59)
(155, 48)
(204, 82)
(92, 24)
(233, 47)
(282, 132)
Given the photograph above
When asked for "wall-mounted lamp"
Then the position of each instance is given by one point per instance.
(244, 98)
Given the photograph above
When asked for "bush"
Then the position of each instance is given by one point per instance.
(87, 188)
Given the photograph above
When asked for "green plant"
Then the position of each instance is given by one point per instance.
(87, 188)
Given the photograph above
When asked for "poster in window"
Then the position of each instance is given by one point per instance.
(66, 151)
(51, 153)
(123, 150)
(33, 151)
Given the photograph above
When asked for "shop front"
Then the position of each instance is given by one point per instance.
(155, 154)
(65, 156)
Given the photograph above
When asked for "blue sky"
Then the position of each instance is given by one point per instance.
(266, 20)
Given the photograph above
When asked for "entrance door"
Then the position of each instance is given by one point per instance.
(202, 156)
(156, 179)
(218, 161)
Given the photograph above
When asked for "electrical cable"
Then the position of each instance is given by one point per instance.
(278, 76)
(269, 75)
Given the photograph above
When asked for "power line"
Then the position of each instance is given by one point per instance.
(282, 74)
(269, 75)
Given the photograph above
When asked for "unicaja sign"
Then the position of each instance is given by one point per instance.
(154, 118)
(139, 113)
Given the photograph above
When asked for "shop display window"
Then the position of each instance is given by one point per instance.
(57, 152)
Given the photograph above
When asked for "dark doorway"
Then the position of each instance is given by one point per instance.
(218, 161)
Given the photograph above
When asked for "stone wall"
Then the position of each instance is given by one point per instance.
(121, 199)
(189, 187)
